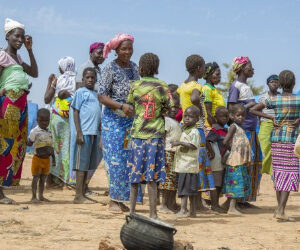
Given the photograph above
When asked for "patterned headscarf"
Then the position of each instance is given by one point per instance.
(66, 81)
(210, 69)
(96, 45)
(67, 63)
(272, 78)
(115, 42)
(238, 62)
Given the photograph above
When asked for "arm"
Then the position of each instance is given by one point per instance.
(211, 120)
(79, 136)
(183, 144)
(108, 102)
(195, 99)
(229, 136)
(210, 151)
(31, 70)
(50, 90)
(257, 110)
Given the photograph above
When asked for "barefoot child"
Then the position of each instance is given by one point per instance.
(215, 148)
(236, 181)
(186, 161)
(150, 98)
(87, 119)
(173, 133)
(41, 139)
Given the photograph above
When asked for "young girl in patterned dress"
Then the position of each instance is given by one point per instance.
(236, 181)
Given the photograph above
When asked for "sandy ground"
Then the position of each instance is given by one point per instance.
(63, 225)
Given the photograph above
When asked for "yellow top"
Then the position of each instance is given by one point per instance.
(213, 96)
(185, 92)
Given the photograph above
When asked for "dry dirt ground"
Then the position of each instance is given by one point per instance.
(62, 225)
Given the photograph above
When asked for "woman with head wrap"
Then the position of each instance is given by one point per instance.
(117, 117)
(240, 92)
(266, 125)
(59, 93)
(14, 85)
(213, 97)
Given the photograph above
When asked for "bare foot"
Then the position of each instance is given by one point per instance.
(154, 216)
(114, 207)
(284, 218)
(7, 201)
(44, 199)
(182, 214)
(218, 209)
(192, 215)
(35, 200)
(124, 208)
(165, 210)
(82, 200)
(234, 211)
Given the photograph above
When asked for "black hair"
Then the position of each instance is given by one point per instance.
(43, 113)
(210, 68)
(172, 87)
(89, 69)
(193, 62)
(220, 109)
(194, 109)
(236, 107)
(148, 64)
(287, 79)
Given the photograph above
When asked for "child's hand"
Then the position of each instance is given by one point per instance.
(28, 42)
(211, 154)
(63, 94)
(2, 92)
(175, 143)
(79, 138)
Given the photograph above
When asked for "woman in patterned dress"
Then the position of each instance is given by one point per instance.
(117, 117)
(14, 85)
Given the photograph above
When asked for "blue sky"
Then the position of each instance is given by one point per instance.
(266, 31)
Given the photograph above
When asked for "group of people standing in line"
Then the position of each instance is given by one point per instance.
(182, 140)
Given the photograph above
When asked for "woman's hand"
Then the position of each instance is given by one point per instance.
(28, 42)
(79, 138)
(295, 124)
(127, 109)
(63, 94)
(276, 125)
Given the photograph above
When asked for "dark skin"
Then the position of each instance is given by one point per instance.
(97, 58)
(213, 80)
(15, 39)
(190, 119)
(222, 118)
(44, 152)
(247, 71)
(124, 52)
(89, 81)
(238, 117)
(282, 196)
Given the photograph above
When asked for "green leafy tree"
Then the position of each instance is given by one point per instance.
(224, 86)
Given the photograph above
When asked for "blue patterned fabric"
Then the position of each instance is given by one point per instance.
(236, 182)
(205, 172)
(146, 160)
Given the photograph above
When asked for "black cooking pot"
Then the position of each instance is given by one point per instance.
(143, 233)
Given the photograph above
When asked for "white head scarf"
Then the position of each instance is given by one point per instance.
(67, 80)
(12, 24)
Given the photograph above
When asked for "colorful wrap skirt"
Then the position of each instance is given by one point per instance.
(206, 178)
(60, 129)
(146, 160)
(171, 182)
(13, 136)
(114, 130)
(285, 167)
(254, 167)
(264, 136)
(236, 182)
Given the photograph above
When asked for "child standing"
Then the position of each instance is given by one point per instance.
(41, 139)
(173, 133)
(216, 149)
(186, 161)
(150, 98)
(87, 119)
(237, 181)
